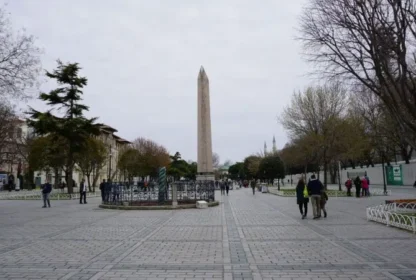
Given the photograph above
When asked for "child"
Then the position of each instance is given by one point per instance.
(348, 184)
(324, 199)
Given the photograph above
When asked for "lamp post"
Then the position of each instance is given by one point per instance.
(339, 176)
(384, 173)
(109, 163)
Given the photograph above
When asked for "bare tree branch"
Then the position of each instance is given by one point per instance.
(19, 60)
(369, 43)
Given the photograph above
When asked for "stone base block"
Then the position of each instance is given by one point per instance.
(205, 177)
(201, 204)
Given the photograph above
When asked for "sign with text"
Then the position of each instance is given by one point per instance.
(394, 175)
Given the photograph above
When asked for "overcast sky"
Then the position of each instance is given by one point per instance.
(142, 60)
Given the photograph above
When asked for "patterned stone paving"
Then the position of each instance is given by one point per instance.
(246, 237)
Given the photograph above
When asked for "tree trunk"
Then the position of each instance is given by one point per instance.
(70, 168)
(325, 172)
(88, 174)
(306, 171)
(332, 173)
(57, 177)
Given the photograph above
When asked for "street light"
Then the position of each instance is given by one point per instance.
(109, 164)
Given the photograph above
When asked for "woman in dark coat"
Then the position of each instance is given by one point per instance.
(302, 198)
(357, 183)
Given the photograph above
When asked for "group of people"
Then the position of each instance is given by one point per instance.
(224, 186)
(110, 191)
(47, 189)
(316, 192)
(362, 186)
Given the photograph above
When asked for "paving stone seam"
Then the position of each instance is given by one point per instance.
(243, 270)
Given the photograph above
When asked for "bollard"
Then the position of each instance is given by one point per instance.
(174, 196)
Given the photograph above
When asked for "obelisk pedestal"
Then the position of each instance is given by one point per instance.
(205, 171)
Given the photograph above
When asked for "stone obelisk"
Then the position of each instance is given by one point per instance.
(205, 170)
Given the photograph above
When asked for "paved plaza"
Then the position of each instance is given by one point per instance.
(246, 237)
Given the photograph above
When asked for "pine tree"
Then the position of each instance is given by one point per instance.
(73, 126)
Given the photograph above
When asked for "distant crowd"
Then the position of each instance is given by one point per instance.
(362, 186)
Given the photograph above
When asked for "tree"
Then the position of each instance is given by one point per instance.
(179, 168)
(215, 160)
(380, 127)
(73, 128)
(271, 167)
(144, 158)
(92, 159)
(301, 154)
(152, 156)
(236, 171)
(368, 43)
(251, 166)
(47, 153)
(128, 163)
(19, 60)
(314, 116)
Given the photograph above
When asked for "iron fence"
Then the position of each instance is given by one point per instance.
(141, 195)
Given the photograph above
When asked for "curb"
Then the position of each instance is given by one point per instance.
(164, 207)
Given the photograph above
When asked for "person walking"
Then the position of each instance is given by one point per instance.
(107, 191)
(227, 187)
(116, 192)
(357, 183)
(83, 192)
(102, 189)
(315, 188)
(222, 185)
(348, 184)
(324, 199)
(46, 190)
(368, 184)
(302, 198)
(364, 186)
(253, 186)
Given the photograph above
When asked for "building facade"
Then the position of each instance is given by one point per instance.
(13, 150)
(115, 145)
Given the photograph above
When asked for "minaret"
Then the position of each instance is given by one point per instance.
(265, 148)
(274, 145)
(205, 169)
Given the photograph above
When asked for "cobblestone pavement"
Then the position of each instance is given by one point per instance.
(246, 237)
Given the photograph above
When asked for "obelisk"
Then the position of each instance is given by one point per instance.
(205, 170)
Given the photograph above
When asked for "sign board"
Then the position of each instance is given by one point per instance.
(394, 175)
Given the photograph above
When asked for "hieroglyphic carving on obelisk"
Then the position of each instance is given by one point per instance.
(205, 169)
